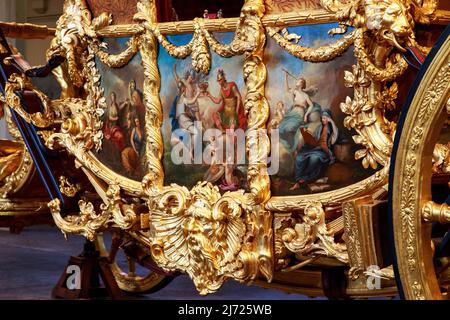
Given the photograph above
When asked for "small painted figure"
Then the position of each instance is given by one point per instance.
(230, 114)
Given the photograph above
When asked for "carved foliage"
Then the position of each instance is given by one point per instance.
(310, 236)
(208, 236)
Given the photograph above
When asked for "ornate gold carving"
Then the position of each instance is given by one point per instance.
(75, 29)
(380, 28)
(117, 60)
(16, 167)
(204, 234)
(16, 164)
(413, 179)
(432, 211)
(229, 24)
(352, 239)
(201, 58)
(441, 158)
(201, 232)
(322, 54)
(67, 188)
(209, 214)
(362, 219)
(398, 67)
(312, 237)
(209, 236)
(80, 119)
(282, 254)
(255, 104)
(88, 223)
(154, 179)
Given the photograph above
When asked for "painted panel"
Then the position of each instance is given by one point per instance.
(124, 120)
(315, 151)
(201, 113)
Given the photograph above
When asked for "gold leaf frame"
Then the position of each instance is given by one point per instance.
(78, 38)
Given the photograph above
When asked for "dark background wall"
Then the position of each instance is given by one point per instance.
(189, 9)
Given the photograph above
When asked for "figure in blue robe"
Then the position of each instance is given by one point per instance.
(315, 153)
(293, 120)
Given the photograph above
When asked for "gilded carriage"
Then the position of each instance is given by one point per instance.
(299, 145)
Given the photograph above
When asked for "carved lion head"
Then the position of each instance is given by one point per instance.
(390, 19)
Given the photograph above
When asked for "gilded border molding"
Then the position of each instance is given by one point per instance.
(229, 24)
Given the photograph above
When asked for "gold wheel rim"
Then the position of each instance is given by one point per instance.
(125, 281)
(411, 187)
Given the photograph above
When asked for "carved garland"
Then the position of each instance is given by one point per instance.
(230, 235)
(236, 220)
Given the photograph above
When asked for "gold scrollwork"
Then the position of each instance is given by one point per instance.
(205, 234)
(382, 26)
(211, 236)
(67, 188)
(248, 31)
(312, 237)
(117, 60)
(154, 179)
(88, 222)
(19, 83)
(235, 221)
(75, 29)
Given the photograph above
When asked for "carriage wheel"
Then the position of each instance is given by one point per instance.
(419, 271)
(131, 277)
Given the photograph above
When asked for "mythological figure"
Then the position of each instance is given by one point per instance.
(231, 112)
(307, 132)
(123, 127)
(297, 115)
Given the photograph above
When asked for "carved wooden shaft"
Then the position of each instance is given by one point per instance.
(26, 30)
(432, 211)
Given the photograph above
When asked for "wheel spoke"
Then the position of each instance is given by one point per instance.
(116, 242)
(131, 267)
